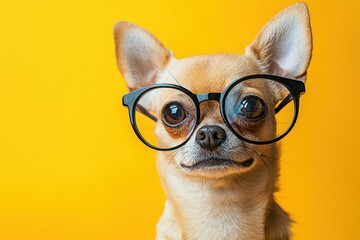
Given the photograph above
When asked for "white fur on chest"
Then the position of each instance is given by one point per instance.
(213, 221)
(210, 210)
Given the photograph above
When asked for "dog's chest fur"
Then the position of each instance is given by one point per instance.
(236, 208)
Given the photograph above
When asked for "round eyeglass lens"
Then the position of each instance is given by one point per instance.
(165, 117)
(259, 110)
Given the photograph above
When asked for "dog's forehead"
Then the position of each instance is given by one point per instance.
(210, 73)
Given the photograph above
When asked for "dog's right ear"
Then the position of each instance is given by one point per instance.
(140, 56)
(284, 45)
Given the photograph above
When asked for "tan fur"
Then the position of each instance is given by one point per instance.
(225, 203)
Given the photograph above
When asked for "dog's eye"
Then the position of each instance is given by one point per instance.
(173, 114)
(252, 108)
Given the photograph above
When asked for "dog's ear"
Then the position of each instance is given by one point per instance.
(140, 56)
(284, 45)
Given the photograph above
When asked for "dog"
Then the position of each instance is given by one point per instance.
(215, 125)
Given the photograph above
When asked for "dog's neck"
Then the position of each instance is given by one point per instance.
(230, 208)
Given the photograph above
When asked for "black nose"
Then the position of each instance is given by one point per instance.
(210, 136)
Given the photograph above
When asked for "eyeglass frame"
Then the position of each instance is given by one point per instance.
(295, 87)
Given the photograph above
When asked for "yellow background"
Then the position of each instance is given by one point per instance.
(70, 165)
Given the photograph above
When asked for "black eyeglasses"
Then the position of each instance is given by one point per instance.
(259, 109)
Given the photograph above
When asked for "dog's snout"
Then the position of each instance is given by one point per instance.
(210, 136)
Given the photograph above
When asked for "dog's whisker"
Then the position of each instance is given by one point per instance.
(172, 76)
(171, 160)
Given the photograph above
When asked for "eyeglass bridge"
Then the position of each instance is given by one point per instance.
(208, 96)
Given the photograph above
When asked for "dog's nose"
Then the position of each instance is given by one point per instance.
(210, 136)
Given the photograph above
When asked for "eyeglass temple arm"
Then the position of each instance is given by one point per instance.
(283, 103)
(146, 112)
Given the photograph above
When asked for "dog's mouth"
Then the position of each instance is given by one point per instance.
(214, 163)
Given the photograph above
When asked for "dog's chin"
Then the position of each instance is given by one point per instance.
(218, 167)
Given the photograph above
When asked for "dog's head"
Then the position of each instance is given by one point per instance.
(210, 146)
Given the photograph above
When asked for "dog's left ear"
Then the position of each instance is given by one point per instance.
(284, 45)
(140, 56)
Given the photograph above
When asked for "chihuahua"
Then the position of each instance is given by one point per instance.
(216, 121)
